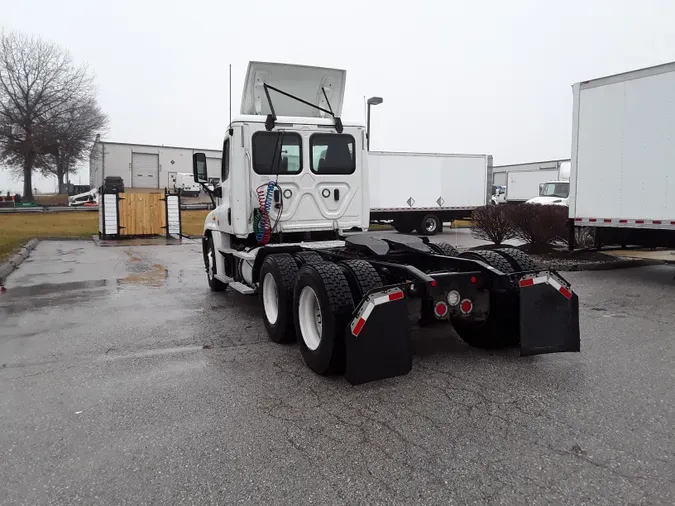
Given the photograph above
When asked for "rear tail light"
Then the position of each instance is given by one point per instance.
(466, 306)
(441, 309)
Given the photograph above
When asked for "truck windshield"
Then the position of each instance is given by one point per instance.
(332, 154)
(277, 152)
(561, 190)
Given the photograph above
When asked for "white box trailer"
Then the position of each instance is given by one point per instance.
(521, 186)
(623, 155)
(420, 191)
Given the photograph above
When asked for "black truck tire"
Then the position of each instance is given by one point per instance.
(322, 306)
(404, 225)
(307, 257)
(210, 255)
(491, 258)
(519, 261)
(361, 276)
(501, 329)
(444, 248)
(430, 224)
(277, 279)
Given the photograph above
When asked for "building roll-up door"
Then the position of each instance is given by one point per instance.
(145, 170)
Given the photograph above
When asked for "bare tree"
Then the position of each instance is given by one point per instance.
(73, 131)
(38, 84)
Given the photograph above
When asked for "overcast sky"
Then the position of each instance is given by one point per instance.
(491, 76)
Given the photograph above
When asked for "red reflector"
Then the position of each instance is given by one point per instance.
(359, 326)
(639, 221)
(466, 306)
(395, 296)
(474, 280)
(565, 292)
(623, 221)
(592, 220)
(526, 282)
(441, 309)
(433, 282)
(672, 222)
(657, 222)
(607, 220)
(578, 219)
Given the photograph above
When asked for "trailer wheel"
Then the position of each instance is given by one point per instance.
(322, 303)
(444, 248)
(404, 225)
(210, 253)
(361, 276)
(519, 261)
(277, 277)
(491, 258)
(430, 225)
(307, 257)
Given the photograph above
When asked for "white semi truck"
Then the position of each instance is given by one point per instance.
(290, 223)
(420, 191)
(623, 154)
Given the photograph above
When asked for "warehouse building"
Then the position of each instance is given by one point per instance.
(145, 166)
(499, 171)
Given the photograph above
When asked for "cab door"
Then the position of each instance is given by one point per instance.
(224, 201)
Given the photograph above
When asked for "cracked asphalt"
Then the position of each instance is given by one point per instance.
(123, 380)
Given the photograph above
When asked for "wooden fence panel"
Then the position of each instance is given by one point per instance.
(142, 214)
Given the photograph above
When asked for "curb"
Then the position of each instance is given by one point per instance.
(601, 266)
(17, 259)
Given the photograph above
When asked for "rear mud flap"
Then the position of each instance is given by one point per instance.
(377, 340)
(549, 316)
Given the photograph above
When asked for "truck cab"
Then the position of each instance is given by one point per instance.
(291, 169)
(552, 193)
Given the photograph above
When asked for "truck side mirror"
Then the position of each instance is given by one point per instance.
(199, 172)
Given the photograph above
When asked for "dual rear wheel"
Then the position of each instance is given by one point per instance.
(311, 300)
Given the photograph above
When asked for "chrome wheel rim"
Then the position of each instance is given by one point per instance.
(310, 318)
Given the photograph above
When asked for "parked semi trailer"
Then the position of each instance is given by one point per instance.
(420, 191)
(623, 154)
(290, 226)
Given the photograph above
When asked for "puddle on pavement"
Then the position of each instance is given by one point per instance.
(154, 277)
(50, 288)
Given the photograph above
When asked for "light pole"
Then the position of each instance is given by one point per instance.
(371, 101)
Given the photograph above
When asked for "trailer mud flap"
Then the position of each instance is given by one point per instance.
(549, 316)
(377, 339)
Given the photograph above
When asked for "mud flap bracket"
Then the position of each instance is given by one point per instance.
(377, 340)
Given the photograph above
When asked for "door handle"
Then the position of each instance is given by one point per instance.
(336, 194)
(229, 216)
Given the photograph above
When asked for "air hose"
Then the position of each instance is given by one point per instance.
(261, 218)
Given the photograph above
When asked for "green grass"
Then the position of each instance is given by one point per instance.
(16, 229)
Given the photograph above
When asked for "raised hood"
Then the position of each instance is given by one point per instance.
(302, 81)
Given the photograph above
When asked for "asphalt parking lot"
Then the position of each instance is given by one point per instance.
(123, 380)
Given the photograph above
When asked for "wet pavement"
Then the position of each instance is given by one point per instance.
(123, 380)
